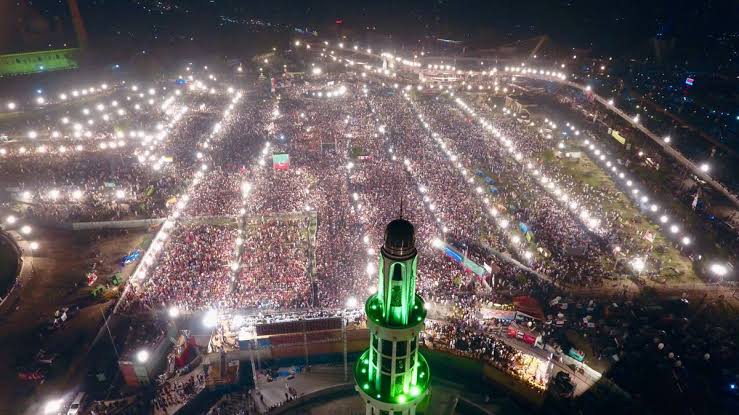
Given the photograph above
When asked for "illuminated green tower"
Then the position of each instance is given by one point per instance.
(391, 376)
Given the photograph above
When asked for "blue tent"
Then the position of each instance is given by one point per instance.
(133, 256)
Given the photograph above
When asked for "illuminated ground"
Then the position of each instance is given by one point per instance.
(58, 280)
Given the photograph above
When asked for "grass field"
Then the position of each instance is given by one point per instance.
(670, 264)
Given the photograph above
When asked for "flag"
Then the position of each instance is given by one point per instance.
(523, 227)
(280, 161)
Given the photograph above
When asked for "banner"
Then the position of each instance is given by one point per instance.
(467, 263)
(281, 161)
(618, 137)
(576, 354)
(453, 254)
(472, 266)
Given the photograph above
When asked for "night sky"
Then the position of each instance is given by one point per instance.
(605, 27)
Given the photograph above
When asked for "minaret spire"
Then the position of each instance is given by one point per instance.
(391, 375)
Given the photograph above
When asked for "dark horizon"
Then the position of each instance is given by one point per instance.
(679, 29)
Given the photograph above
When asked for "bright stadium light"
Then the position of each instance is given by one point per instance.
(351, 302)
(437, 243)
(11, 105)
(33, 245)
(210, 319)
(705, 167)
(142, 356)
(173, 312)
(26, 230)
(638, 264)
(719, 269)
(316, 71)
(10, 219)
(53, 406)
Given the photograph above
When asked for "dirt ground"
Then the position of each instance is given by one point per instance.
(58, 279)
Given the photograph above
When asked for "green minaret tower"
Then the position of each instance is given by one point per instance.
(391, 376)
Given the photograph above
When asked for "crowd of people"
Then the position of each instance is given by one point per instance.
(464, 337)
(275, 270)
(193, 272)
(177, 392)
(305, 237)
(308, 233)
(108, 174)
(575, 249)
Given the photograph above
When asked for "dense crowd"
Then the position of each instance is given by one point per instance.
(177, 392)
(308, 234)
(574, 248)
(110, 175)
(193, 272)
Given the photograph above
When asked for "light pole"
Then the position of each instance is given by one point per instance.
(110, 335)
(351, 302)
(251, 358)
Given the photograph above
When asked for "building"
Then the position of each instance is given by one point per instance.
(391, 376)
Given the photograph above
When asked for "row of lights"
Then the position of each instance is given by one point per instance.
(357, 208)
(55, 195)
(704, 167)
(157, 244)
(501, 221)
(640, 198)
(62, 96)
(143, 355)
(570, 201)
(718, 269)
(78, 132)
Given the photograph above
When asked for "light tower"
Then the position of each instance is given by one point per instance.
(391, 376)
